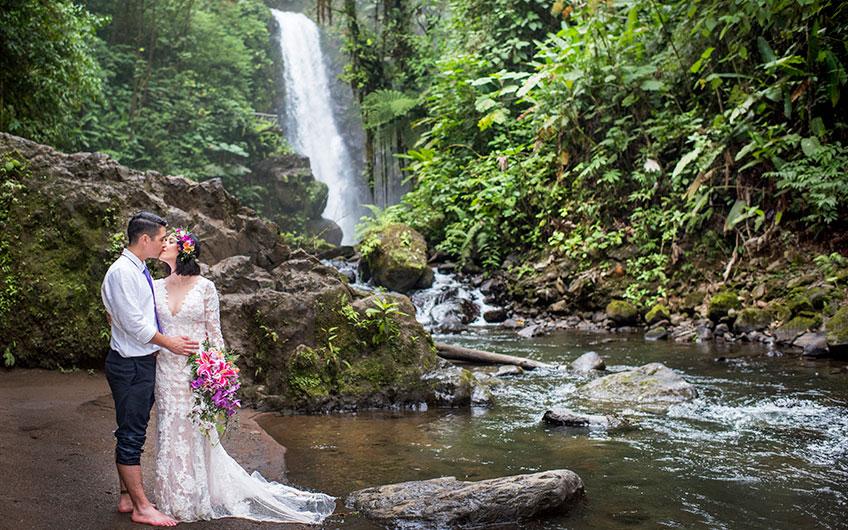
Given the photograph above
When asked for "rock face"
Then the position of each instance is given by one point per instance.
(292, 197)
(652, 384)
(449, 502)
(396, 258)
(303, 334)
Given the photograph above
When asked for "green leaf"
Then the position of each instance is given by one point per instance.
(687, 159)
(765, 50)
(735, 215)
(652, 85)
(810, 146)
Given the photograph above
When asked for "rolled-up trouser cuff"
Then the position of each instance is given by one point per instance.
(128, 450)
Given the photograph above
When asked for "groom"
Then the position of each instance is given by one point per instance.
(127, 293)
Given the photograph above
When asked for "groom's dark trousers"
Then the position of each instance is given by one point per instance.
(131, 380)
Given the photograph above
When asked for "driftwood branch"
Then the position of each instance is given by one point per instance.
(458, 353)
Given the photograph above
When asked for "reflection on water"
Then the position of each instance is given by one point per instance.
(765, 445)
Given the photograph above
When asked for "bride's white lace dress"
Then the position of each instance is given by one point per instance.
(195, 477)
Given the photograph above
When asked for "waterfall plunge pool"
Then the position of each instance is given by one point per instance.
(765, 445)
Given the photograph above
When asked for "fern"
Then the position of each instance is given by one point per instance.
(385, 106)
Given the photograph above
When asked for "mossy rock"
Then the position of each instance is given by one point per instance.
(752, 319)
(622, 313)
(396, 257)
(799, 303)
(721, 303)
(806, 321)
(691, 300)
(837, 327)
(657, 313)
(779, 311)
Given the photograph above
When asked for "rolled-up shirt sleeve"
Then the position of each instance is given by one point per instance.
(122, 302)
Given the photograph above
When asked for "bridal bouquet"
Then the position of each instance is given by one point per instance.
(214, 383)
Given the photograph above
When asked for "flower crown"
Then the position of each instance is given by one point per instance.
(185, 244)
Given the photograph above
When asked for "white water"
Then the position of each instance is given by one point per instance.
(311, 127)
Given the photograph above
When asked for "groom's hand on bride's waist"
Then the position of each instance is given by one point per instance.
(179, 345)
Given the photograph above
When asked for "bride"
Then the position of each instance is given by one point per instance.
(195, 477)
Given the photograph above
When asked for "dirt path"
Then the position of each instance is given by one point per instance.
(57, 453)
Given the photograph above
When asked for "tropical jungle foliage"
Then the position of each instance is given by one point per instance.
(178, 86)
(669, 126)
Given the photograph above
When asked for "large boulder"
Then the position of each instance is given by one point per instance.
(651, 385)
(752, 319)
(448, 502)
(305, 338)
(622, 313)
(396, 258)
(658, 313)
(292, 197)
(721, 303)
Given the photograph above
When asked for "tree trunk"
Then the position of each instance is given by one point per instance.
(458, 353)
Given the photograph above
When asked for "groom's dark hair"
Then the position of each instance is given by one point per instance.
(144, 223)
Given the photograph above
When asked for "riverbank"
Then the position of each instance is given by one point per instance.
(56, 450)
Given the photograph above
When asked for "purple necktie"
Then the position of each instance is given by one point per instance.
(153, 291)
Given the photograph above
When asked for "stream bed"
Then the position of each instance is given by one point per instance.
(765, 445)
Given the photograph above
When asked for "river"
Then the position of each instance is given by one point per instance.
(765, 445)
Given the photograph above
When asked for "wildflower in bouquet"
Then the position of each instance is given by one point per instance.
(214, 383)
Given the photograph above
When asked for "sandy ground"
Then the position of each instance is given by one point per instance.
(57, 454)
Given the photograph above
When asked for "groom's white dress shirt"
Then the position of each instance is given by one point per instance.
(129, 300)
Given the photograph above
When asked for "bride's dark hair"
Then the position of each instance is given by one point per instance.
(187, 265)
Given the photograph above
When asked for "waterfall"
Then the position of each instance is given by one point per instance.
(310, 125)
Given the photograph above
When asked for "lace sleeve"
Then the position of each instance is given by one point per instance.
(212, 319)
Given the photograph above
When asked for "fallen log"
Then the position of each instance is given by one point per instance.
(458, 353)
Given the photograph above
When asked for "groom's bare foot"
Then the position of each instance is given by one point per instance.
(152, 516)
(125, 504)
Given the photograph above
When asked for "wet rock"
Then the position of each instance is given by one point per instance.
(721, 303)
(568, 418)
(447, 502)
(751, 319)
(622, 313)
(788, 331)
(651, 384)
(588, 362)
(512, 323)
(656, 314)
(340, 252)
(812, 344)
(509, 370)
(481, 396)
(494, 315)
(292, 197)
(452, 385)
(721, 329)
(657, 333)
(397, 257)
(532, 330)
(325, 229)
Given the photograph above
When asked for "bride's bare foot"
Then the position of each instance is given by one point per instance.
(152, 516)
(125, 503)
